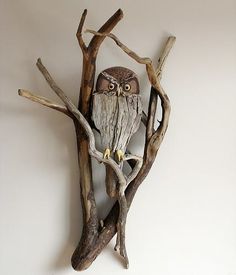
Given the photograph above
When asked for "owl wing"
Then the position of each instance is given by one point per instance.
(135, 111)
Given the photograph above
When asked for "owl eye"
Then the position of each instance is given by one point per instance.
(111, 86)
(127, 87)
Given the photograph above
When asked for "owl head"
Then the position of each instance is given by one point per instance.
(118, 81)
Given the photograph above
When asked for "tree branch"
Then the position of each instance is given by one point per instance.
(132, 54)
(106, 28)
(44, 101)
(153, 96)
(79, 33)
(165, 52)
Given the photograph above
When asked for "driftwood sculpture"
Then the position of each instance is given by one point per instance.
(95, 236)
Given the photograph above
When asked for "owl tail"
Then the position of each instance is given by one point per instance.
(111, 181)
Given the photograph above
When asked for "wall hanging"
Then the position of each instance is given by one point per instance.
(114, 109)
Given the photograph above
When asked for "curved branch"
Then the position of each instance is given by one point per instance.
(165, 52)
(132, 54)
(138, 164)
(153, 96)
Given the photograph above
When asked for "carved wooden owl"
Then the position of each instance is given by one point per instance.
(117, 109)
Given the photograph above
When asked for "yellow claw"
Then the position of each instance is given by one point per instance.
(107, 153)
(119, 155)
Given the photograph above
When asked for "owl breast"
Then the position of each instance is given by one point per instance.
(117, 118)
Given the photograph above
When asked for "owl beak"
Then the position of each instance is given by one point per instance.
(119, 90)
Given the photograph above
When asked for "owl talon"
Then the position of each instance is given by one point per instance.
(119, 155)
(107, 153)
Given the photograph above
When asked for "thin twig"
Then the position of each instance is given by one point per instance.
(165, 52)
(152, 108)
(79, 33)
(44, 101)
(142, 60)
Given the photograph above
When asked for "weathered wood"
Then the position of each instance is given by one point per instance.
(95, 238)
(46, 102)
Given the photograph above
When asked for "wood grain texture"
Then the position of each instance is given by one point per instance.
(117, 118)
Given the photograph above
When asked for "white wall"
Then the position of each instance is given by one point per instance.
(183, 219)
